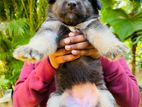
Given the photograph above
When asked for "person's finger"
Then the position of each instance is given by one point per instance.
(89, 52)
(61, 52)
(89, 46)
(75, 39)
(64, 41)
(72, 40)
(67, 58)
(55, 58)
(74, 33)
(77, 46)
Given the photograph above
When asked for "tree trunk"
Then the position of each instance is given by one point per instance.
(134, 58)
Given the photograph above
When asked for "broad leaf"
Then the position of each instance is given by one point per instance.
(123, 25)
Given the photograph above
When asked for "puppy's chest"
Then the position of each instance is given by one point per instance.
(65, 29)
(62, 32)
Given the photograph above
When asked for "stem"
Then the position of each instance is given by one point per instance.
(134, 49)
(31, 15)
(24, 7)
(134, 58)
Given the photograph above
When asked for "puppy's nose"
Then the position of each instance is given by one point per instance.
(72, 4)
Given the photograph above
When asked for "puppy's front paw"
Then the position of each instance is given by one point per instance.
(27, 53)
(116, 51)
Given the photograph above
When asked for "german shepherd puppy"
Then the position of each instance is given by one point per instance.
(74, 15)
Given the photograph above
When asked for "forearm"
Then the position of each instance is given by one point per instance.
(121, 82)
(32, 88)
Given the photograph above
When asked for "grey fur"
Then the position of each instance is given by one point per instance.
(46, 39)
(61, 20)
(82, 71)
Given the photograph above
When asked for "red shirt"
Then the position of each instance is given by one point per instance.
(36, 82)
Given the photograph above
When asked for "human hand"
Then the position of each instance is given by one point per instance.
(61, 56)
(72, 47)
(78, 45)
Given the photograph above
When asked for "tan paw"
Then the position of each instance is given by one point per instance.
(26, 53)
(116, 52)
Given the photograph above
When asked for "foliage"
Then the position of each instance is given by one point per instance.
(19, 20)
(139, 54)
(12, 33)
(125, 19)
(124, 25)
(2, 68)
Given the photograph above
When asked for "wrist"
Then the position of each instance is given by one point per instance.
(44, 70)
(53, 62)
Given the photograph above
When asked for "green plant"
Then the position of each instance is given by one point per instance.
(19, 20)
(125, 21)
(12, 33)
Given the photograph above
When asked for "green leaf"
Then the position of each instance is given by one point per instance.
(123, 25)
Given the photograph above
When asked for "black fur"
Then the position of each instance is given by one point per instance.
(80, 71)
(96, 5)
(51, 1)
(63, 32)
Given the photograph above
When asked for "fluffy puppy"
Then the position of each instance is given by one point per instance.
(80, 83)
(75, 15)
(71, 15)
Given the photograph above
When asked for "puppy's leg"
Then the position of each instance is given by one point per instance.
(105, 41)
(43, 43)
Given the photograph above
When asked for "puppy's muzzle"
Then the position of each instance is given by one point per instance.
(72, 4)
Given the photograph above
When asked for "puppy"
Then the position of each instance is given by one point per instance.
(80, 83)
(75, 15)
(71, 15)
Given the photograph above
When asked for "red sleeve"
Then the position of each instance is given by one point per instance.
(121, 82)
(33, 84)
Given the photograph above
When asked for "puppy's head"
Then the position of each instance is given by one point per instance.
(73, 12)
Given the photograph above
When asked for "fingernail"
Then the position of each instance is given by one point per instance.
(71, 34)
(67, 41)
(67, 47)
(74, 52)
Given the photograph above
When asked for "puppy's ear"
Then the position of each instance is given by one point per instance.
(51, 1)
(98, 4)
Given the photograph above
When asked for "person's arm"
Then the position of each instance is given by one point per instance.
(34, 84)
(121, 83)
